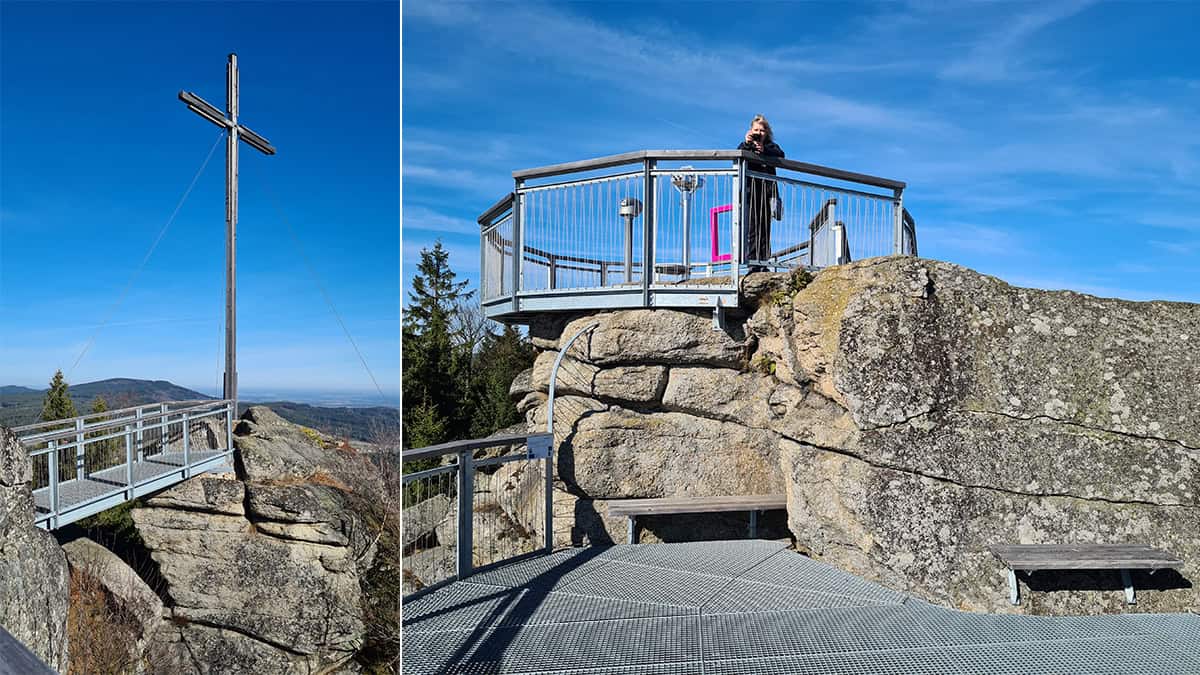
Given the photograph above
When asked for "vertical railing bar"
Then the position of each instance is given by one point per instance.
(53, 484)
(80, 469)
(187, 465)
(549, 511)
(466, 499)
(737, 234)
(898, 222)
(140, 442)
(129, 460)
(518, 254)
(648, 225)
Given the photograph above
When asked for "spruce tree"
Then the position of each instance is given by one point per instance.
(501, 358)
(100, 453)
(57, 404)
(433, 367)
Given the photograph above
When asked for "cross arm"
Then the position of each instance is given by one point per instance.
(212, 114)
(204, 109)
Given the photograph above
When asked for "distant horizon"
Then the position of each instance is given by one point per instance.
(325, 397)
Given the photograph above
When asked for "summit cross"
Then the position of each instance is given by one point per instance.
(235, 132)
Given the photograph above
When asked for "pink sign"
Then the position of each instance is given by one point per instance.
(717, 256)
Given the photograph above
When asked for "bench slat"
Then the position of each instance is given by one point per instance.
(1084, 556)
(671, 505)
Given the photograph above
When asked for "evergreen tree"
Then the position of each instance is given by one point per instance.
(501, 358)
(101, 453)
(57, 404)
(433, 367)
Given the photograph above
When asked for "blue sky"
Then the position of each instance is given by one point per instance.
(1054, 145)
(97, 151)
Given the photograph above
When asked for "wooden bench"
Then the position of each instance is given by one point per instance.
(632, 508)
(1123, 557)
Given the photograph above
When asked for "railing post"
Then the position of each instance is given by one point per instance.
(466, 516)
(229, 411)
(518, 254)
(898, 223)
(164, 428)
(140, 442)
(552, 270)
(550, 498)
(735, 236)
(80, 469)
(53, 484)
(129, 461)
(649, 225)
(187, 470)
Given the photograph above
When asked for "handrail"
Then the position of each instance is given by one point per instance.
(454, 447)
(152, 411)
(698, 155)
(504, 204)
(109, 413)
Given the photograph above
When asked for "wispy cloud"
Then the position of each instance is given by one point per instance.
(1004, 53)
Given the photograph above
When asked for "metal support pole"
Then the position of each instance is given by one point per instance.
(1014, 593)
(1127, 580)
(552, 269)
(466, 503)
(898, 223)
(754, 524)
(687, 234)
(649, 225)
(231, 209)
(550, 499)
(632, 529)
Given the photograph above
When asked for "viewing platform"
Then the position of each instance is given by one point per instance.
(697, 220)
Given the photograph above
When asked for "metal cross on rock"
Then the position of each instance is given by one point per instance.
(236, 132)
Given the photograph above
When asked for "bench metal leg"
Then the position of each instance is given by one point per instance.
(1128, 581)
(632, 530)
(754, 524)
(1014, 593)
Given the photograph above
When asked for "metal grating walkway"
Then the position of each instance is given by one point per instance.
(749, 607)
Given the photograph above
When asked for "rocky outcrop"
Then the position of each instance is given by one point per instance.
(263, 567)
(34, 579)
(914, 411)
(120, 584)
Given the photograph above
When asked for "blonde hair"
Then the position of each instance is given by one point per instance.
(766, 125)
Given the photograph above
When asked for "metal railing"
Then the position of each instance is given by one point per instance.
(463, 512)
(87, 464)
(695, 220)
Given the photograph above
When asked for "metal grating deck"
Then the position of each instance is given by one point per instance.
(745, 608)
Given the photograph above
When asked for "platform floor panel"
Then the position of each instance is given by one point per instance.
(751, 607)
(79, 491)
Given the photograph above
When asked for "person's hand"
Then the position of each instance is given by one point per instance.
(754, 140)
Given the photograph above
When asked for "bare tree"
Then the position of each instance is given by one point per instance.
(468, 325)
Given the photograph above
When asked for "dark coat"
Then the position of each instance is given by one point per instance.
(770, 149)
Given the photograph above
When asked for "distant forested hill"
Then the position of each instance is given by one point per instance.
(22, 405)
(364, 424)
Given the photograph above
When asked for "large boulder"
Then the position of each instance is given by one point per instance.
(34, 578)
(915, 412)
(264, 568)
(121, 585)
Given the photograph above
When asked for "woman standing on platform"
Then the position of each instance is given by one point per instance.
(760, 193)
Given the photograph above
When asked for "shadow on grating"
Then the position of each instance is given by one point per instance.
(749, 607)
